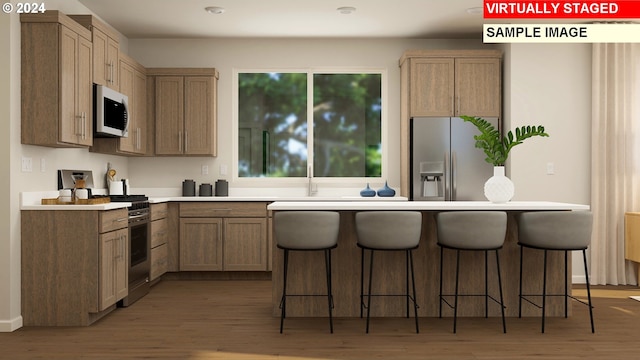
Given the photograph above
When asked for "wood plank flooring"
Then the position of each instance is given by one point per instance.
(232, 320)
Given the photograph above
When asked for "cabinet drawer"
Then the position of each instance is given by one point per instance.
(158, 262)
(223, 209)
(158, 211)
(158, 232)
(113, 220)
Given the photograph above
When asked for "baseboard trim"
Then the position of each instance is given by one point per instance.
(11, 325)
(578, 279)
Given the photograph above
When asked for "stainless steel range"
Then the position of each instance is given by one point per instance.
(139, 246)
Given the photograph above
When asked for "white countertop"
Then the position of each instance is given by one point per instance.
(425, 205)
(32, 200)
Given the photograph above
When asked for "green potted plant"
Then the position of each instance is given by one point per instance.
(496, 147)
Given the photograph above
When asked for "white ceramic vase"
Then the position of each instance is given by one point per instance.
(499, 188)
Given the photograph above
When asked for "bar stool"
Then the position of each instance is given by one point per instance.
(306, 231)
(555, 231)
(388, 231)
(471, 231)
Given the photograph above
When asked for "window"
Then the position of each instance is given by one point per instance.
(292, 123)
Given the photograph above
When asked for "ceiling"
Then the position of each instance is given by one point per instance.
(291, 18)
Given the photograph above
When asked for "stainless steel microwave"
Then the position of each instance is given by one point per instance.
(110, 112)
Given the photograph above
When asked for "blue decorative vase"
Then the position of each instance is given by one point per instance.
(386, 191)
(367, 192)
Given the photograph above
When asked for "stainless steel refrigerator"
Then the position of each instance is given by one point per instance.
(445, 164)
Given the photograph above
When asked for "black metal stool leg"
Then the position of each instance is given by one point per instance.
(544, 289)
(566, 286)
(586, 274)
(440, 295)
(361, 280)
(504, 323)
(486, 284)
(369, 290)
(413, 284)
(520, 286)
(455, 307)
(327, 262)
(283, 301)
(406, 258)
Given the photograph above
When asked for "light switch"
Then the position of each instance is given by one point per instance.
(27, 164)
(43, 165)
(205, 170)
(223, 169)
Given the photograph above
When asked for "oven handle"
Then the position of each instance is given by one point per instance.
(145, 215)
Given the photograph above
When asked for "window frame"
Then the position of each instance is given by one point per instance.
(303, 181)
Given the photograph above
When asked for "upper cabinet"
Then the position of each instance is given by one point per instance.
(450, 83)
(106, 51)
(185, 110)
(446, 83)
(133, 83)
(56, 90)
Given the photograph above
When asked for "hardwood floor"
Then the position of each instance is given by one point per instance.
(232, 320)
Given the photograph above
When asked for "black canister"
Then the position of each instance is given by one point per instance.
(188, 188)
(206, 190)
(222, 188)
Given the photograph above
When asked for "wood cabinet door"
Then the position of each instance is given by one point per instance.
(169, 111)
(432, 87)
(113, 272)
(113, 59)
(245, 244)
(158, 262)
(200, 244)
(158, 232)
(127, 80)
(84, 91)
(100, 65)
(198, 115)
(70, 122)
(140, 112)
(478, 89)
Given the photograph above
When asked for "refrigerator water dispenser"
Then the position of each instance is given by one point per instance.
(431, 178)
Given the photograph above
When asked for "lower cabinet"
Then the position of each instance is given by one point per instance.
(224, 236)
(159, 235)
(74, 265)
(114, 275)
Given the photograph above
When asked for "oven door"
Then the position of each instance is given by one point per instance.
(139, 261)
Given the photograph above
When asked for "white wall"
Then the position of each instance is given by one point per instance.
(546, 84)
(229, 54)
(550, 85)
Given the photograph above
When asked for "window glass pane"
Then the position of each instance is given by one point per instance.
(272, 125)
(347, 125)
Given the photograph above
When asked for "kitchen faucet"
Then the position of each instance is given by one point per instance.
(310, 190)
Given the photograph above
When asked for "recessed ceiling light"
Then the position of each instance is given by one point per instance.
(214, 10)
(475, 10)
(346, 10)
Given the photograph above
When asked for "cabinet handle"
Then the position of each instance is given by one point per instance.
(78, 126)
(121, 219)
(84, 125)
(111, 72)
(186, 139)
(138, 139)
(179, 141)
(458, 105)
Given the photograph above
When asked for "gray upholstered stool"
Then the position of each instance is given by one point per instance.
(555, 231)
(388, 231)
(471, 231)
(306, 231)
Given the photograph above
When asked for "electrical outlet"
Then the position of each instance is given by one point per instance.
(223, 169)
(43, 165)
(550, 168)
(205, 170)
(27, 164)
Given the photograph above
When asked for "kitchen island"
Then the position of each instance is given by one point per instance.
(306, 269)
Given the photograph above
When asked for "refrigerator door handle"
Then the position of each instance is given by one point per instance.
(447, 177)
(454, 170)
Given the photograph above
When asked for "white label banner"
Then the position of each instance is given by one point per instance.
(561, 33)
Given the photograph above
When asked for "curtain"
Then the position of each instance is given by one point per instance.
(615, 187)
